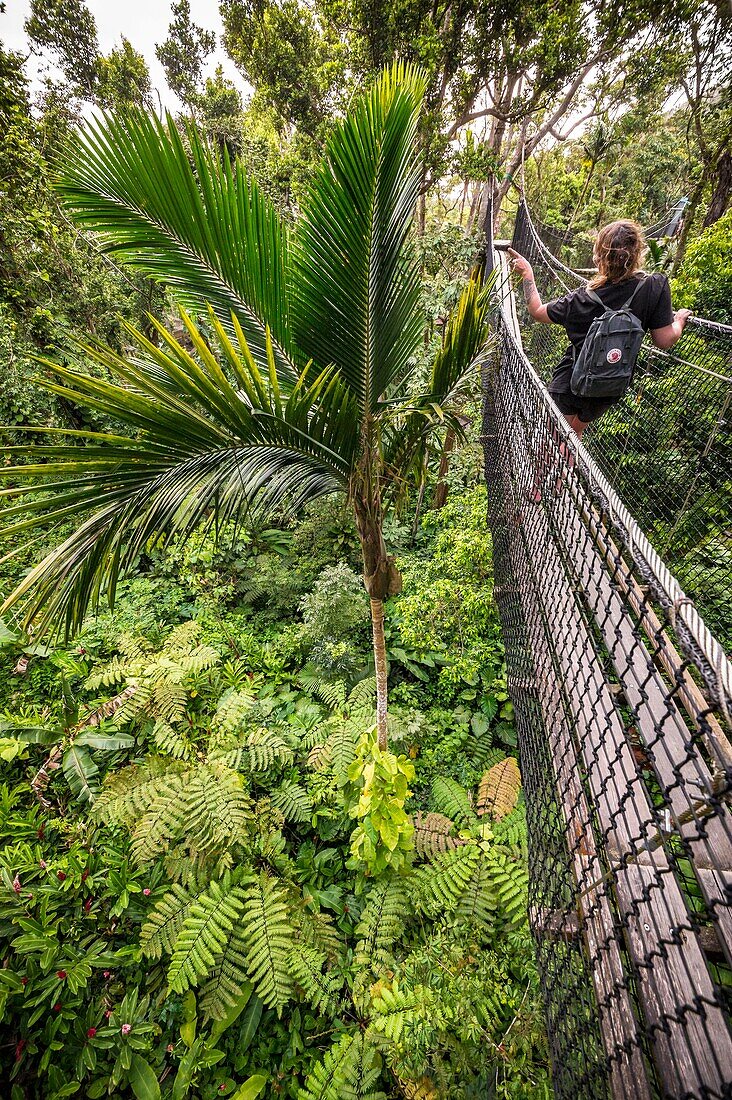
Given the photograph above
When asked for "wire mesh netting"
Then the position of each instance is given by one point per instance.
(623, 702)
(667, 447)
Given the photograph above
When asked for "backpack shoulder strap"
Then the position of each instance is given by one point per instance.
(595, 297)
(639, 284)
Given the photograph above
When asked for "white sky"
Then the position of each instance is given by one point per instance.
(144, 22)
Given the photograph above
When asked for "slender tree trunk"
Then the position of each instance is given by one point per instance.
(377, 628)
(381, 579)
(722, 190)
(689, 215)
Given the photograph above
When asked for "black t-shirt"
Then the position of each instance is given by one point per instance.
(576, 311)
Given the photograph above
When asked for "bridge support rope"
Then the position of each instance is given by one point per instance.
(623, 700)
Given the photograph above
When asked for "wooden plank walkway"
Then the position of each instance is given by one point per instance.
(586, 616)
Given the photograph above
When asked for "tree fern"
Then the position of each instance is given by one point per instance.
(164, 922)
(452, 799)
(438, 886)
(321, 987)
(269, 933)
(349, 1070)
(203, 935)
(361, 703)
(382, 922)
(433, 834)
(294, 802)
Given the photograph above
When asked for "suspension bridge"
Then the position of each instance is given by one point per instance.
(614, 595)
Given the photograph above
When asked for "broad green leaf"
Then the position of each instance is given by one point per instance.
(81, 772)
(251, 1088)
(232, 1015)
(142, 1079)
(105, 741)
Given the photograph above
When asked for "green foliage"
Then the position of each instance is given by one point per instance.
(383, 838)
(184, 52)
(704, 282)
(335, 618)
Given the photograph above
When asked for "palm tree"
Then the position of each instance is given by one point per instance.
(297, 377)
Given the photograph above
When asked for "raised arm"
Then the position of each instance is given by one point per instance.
(532, 298)
(667, 336)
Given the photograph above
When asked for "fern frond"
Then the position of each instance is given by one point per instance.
(293, 801)
(172, 742)
(483, 755)
(269, 934)
(218, 810)
(348, 1071)
(160, 931)
(182, 638)
(509, 883)
(228, 980)
(423, 1089)
(168, 698)
(511, 833)
(266, 748)
(438, 886)
(113, 674)
(332, 693)
(341, 748)
(163, 820)
(395, 1010)
(203, 935)
(317, 930)
(128, 793)
(478, 902)
(433, 834)
(452, 799)
(321, 988)
(499, 789)
(382, 922)
(362, 701)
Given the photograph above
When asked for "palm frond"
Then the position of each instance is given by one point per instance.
(356, 288)
(199, 444)
(174, 208)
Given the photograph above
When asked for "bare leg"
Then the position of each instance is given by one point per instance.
(578, 427)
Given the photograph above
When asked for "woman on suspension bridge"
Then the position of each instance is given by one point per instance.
(620, 282)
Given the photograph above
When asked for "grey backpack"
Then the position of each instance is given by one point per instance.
(604, 365)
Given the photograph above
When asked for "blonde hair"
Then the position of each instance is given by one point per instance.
(619, 251)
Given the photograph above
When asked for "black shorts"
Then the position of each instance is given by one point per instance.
(585, 408)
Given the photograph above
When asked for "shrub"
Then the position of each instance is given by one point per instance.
(704, 283)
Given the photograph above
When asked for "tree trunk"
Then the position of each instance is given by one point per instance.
(381, 579)
(377, 628)
(689, 216)
(722, 190)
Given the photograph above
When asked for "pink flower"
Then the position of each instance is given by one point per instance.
(16, 885)
(146, 891)
(60, 875)
(61, 974)
(24, 981)
(107, 973)
(126, 1029)
(91, 1032)
(87, 905)
(170, 1048)
(43, 865)
(108, 1013)
(57, 1006)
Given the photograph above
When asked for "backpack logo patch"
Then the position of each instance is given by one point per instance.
(614, 355)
